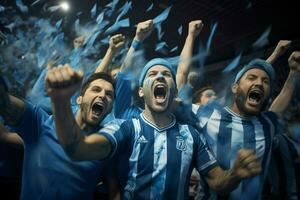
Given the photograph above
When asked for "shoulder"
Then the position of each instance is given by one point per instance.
(118, 124)
(269, 115)
(32, 110)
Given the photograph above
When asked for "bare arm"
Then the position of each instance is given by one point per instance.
(246, 165)
(61, 84)
(281, 48)
(184, 65)
(143, 30)
(282, 101)
(10, 138)
(116, 42)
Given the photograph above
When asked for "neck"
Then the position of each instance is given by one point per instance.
(82, 124)
(234, 108)
(161, 120)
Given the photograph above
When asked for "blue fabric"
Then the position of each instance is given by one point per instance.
(123, 108)
(281, 175)
(153, 62)
(48, 173)
(260, 64)
(156, 163)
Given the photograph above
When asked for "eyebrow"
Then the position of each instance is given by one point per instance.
(159, 71)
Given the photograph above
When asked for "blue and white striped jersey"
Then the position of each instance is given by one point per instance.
(156, 163)
(226, 133)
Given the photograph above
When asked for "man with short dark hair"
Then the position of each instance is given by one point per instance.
(48, 173)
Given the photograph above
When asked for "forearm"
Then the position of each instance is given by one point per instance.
(224, 182)
(281, 102)
(74, 142)
(185, 62)
(106, 61)
(272, 58)
(67, 130)
(136, 43)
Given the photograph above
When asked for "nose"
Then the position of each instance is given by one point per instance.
(258, 81)
(160, 76)
(101, 94)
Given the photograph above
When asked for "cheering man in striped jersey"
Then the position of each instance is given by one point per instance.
(244, 124)
(156, 153)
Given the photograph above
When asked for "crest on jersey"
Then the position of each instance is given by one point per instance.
(180, 143)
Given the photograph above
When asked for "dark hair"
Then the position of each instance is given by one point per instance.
(95, 76)
(198, 94)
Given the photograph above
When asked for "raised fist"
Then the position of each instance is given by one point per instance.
(62, 82)
(195, 28)
(294, 61)
(116, 42)
(143, 30)
(282, 47)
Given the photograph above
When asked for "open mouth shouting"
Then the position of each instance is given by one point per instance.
(255, 97)
(98, 109)
(160, 93)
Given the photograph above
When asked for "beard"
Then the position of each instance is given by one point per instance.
(84, 115)
(240, 99)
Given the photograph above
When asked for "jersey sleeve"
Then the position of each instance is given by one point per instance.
(30, 126)
(204, 159)
(118, 134)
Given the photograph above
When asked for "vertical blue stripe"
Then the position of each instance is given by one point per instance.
(145, 164)
(224, 142)
(173, 167)
(249, 135)
(249, 143)
(131, 182)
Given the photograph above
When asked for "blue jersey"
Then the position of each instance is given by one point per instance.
(123, 106)
(156, 163)
(48, 173)
(226, 133)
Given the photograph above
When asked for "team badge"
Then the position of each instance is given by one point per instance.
(180, 143)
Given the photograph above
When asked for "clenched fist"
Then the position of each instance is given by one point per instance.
(143, 30)
(195, 28)
(246, 164)
(62, 82)
(294, 61)
(116, 42)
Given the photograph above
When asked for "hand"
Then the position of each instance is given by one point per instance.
(282, 47)
(143, 30)
(246, 164)
(116, 42)
(294, 61)
(195, 28)
(62, 82)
